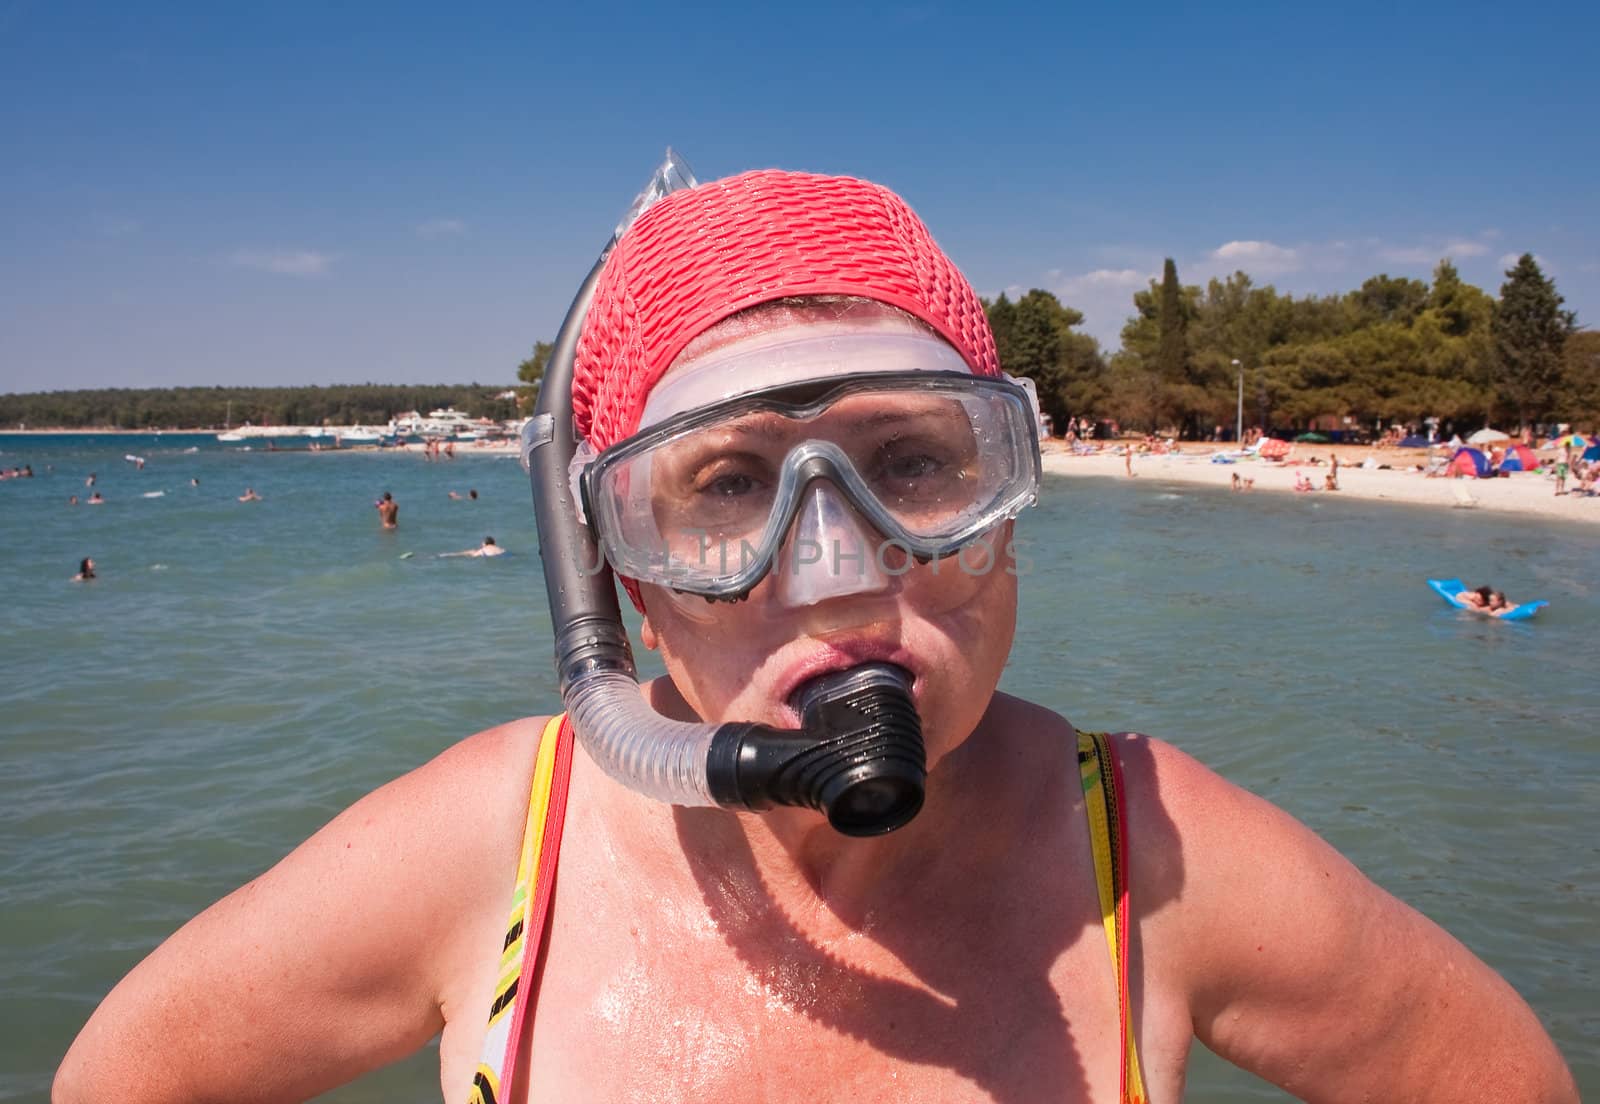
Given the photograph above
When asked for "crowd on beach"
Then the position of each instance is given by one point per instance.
(1568, 460)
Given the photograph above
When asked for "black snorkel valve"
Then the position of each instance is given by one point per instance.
(858, 756)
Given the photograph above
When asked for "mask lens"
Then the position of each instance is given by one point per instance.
(704, 502)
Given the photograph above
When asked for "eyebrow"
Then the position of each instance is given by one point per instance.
(767, 425)
(763, 425)
(878, 418)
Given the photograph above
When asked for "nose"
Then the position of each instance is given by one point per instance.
(831, 552)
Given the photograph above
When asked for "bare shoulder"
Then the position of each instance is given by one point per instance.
(345, 955)
(1296, 966)
(466, 809)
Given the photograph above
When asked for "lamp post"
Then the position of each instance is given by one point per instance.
(1238, 431)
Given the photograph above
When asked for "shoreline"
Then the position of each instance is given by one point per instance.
(1523, 493)
(1528, 494)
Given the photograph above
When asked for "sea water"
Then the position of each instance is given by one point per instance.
(239, 672)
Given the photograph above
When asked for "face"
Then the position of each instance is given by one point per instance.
(949, 622)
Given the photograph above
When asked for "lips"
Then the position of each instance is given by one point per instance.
(839, 655)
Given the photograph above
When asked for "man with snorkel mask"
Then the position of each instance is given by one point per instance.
(823, 859)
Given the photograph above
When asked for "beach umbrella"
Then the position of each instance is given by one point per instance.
(1314, 437)
(1592, 452)
(1575, 440)
(1487, 436)
(1518, 458)
(1416, 440)
(1273, 449)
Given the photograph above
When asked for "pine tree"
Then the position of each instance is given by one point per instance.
(1172, 352)
(1530, 332)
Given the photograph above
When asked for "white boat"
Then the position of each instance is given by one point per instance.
(448, 422)
(231, 435)
(359, 435)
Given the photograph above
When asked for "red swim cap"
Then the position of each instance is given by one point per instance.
(708, 252)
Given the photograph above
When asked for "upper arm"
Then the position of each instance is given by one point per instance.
(331, 963)
(1300, 969)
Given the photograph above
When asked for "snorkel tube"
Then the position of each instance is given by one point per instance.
(858, 756)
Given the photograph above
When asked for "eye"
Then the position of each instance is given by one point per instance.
(916, 465)
(731, 485)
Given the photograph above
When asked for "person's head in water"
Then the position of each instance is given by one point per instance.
(387, 497)
(86, 568)
(488, 542)
(473, 494)
(730, 288)
(1497, 600)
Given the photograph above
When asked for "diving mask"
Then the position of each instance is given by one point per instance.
(840, 482)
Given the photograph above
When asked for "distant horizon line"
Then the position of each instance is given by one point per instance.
(254, 387)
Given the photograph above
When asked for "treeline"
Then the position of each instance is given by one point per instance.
(370, 404)
(1393, 351)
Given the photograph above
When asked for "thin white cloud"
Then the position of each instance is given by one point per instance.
(441, 228)
(283, 262)
(1107, 278)
(1432, 254)
(1408, 255)
(1258, 256)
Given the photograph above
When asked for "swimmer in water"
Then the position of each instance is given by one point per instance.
(85, 570)
(1498, 606)
(96, 500)
(487, 548)
(249, 495)
(388, 511)
(775, 361)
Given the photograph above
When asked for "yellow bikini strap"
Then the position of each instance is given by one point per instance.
(1099, 772)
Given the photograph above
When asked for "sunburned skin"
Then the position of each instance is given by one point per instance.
(951, 993)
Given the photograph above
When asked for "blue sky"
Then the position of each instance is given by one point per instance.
(339, 192)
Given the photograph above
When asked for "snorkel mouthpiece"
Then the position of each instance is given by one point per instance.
(858, 757)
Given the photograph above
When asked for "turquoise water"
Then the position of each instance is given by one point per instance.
(240, 672)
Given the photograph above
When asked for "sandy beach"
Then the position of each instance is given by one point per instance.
(1528, 493)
